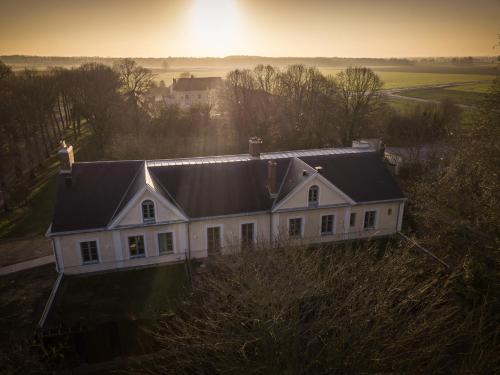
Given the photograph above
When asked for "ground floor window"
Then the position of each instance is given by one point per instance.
(213, 240)
(295, 227)
(352, 220)
(247, 235)
(89, 252)
(136, 246)
(327, 224)
(165, 243)
(370, 217)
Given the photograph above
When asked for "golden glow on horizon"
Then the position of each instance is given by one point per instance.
(309, 28)
(214, 27)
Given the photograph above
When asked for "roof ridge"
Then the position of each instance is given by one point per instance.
(125, 193)
(339, 151)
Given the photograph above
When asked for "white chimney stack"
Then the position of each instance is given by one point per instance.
(254, 144)
(66, 158)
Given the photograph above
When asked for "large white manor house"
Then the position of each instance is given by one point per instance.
(115, 214)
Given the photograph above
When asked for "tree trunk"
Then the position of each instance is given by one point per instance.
(61, 118)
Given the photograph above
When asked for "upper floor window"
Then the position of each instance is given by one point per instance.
(295, 227)
(370, 217)
(89, 252)
(148, 211)
(136, 246)
(313, 195)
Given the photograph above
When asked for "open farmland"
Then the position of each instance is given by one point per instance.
(437, 94)
(391, 79)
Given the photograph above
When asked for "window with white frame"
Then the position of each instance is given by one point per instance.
(313, 195)
(247, 235)
(89, 252)
(213, 240)
(370, 218)
(165, 243)
(327, 224)
(352, 219)
(295, 227)
(136, 246)
(148, 211)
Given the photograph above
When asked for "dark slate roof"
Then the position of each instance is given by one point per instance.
(95, 193)
(101, 189)
(219, 188)
(363, 177)
(196, 84)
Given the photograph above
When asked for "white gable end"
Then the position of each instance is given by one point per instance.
(328, 195)
(132, 212)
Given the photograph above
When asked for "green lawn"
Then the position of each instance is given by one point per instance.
(458, 96)
(114, 296)
(35, 214)
(22, 299)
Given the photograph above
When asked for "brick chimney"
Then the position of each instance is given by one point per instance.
(272, 183)
(66, 160)
(254, 144)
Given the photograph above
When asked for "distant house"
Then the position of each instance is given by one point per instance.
(186, 92)
(119, 214)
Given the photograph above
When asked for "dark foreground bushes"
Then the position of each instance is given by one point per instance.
(341, 310)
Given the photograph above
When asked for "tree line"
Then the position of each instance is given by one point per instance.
(291, 108)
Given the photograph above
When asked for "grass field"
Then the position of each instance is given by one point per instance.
(391, 79)
(438, 94)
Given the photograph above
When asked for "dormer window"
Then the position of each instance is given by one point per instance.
(313, 196)
(148, 211)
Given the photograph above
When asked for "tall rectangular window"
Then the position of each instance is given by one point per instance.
(165, 243)
(247, 233)
(136, 246)
(327, 224)
(89, 252)
(295, 227)
(352, 220)
(370, 217)
(313, 196)
(213, 240)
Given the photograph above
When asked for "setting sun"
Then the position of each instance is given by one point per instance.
(214, 25)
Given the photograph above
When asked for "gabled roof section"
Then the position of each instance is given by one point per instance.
(296, 174)
(96, 190)
(361, 176)
(143, 182)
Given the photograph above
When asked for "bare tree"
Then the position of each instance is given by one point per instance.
(359, 94)
(135, 81)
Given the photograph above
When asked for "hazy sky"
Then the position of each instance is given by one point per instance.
(161, 28)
